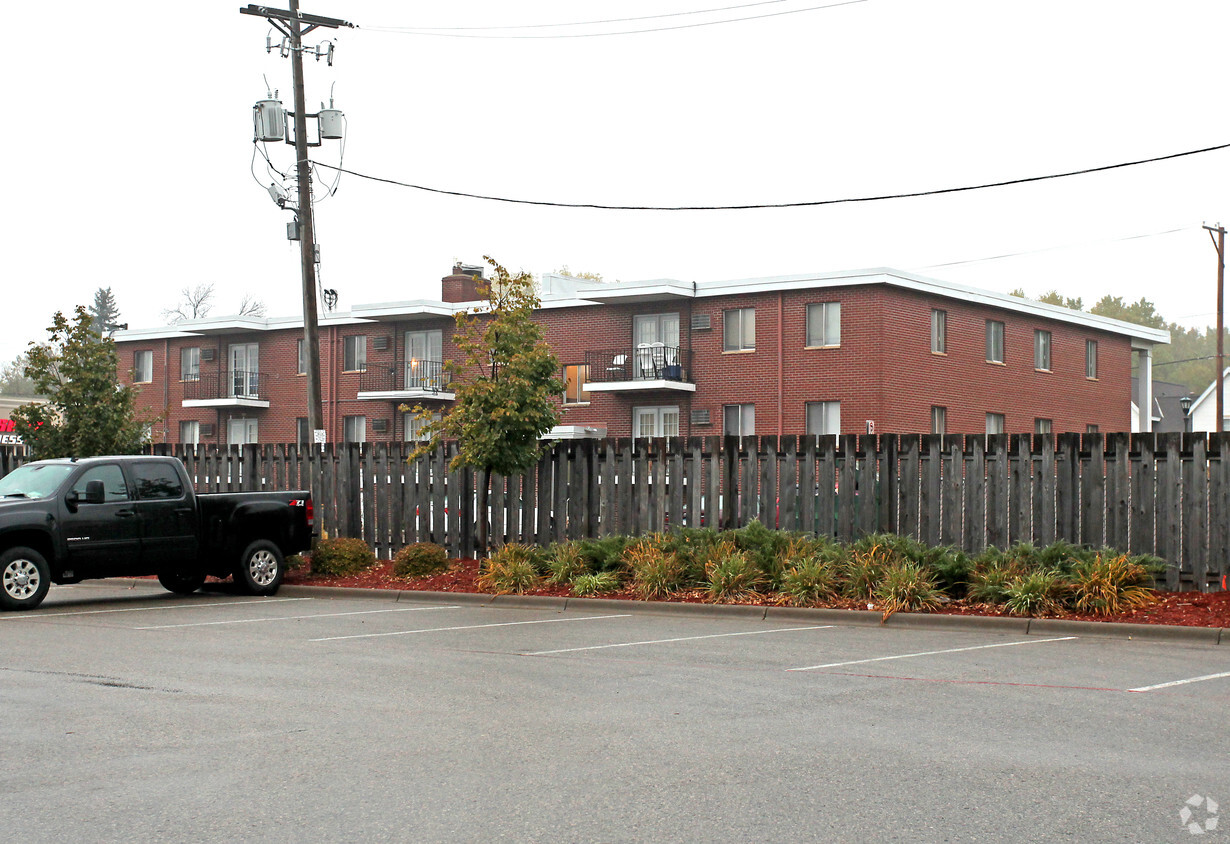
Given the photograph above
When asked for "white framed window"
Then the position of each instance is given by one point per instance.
(739, 420)
(354, 429)
(995, 423)
(939, 331)
(302, 430)
(354, 354)
(739, 333)
(1043, 426)
(242, 431)
(995, 341)
(824, 324)
(301, 367)
(574, 381)
(190, 432)
(939, 419)
(1091, 358)
(143, 367)
(1042, 350)
(245, 369)
(424, 359)
(190, 364)
(413, 427)
(655, 421)
(823, 417)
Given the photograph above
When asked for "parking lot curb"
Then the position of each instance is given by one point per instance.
(1116, 630)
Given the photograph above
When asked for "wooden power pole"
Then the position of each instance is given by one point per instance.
(1220, 244)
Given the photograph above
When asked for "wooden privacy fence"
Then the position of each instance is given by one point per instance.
(1163, 494)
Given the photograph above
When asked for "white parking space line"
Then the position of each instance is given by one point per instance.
(45, 615)
(1182, 682)
(678, 639)
(469, 627)
(291, 617)
(932, 653)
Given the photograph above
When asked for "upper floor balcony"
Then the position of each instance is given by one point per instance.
(649, 366)
(233, 388)
(412, 380)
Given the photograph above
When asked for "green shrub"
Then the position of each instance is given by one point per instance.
(341, 555)
(950, 568)
(734, 577)
(605, 554)
(906, 587)
(420, 559)
(866, 565)
(988, 584)
(595, 584)
(1036, 593)
(656, 571)
(808, 581)
(1111, 583)
(512, 568)
(296, 561)
(565, 562)
(764, 548)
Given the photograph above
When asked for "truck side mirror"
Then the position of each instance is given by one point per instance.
(95, 492)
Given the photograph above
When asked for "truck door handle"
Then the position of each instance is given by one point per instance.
(123, 514)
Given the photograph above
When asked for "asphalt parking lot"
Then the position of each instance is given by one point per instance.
(130, 714)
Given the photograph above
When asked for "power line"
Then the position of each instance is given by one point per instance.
(1056, 248)
(430, 34)
(808, 204)
(579, 23)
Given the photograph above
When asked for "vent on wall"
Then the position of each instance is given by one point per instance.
(700, 322)
(207, 354)
(206, 429)
(380, 425)
(700, 417)
(380, 343)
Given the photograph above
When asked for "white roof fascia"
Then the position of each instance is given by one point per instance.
(1210, 390)
(137, 335)
(398, 310)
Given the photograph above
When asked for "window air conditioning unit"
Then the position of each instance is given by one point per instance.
(206, 429)
(700, 417)
(380, 343)
(207, 354)
(380, 426)
(700, 322)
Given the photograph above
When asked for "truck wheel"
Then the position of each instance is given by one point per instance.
(260, 568)
(25, 578)
(181, 583)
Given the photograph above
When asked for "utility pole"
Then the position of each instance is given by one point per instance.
(295, 24)
(1220, 245)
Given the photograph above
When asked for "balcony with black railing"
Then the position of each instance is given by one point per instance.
(412, 379)
(652, 366)
(233, 388)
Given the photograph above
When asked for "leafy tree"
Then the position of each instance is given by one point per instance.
(507, 386)
(1052, 297)
(588, 276)
(1141, 313)
(104, 313)
(88, 412)
(13, 379)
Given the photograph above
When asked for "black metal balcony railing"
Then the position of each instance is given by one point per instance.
(238, 383)
(644, 363)
(413, 375)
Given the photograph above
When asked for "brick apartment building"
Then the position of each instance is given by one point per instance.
(805, 354)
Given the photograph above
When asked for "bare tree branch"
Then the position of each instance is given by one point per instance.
(251, 306)
(196, 303)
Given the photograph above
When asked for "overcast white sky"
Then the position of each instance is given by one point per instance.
(130, 145)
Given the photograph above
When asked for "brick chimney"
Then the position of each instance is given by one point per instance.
(462, 285)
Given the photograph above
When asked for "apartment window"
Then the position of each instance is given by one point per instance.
(301, 428)
(739, 420)
(995, 423)
(1091, 358)
(824, 324)
(939, 418)
(574, 380)
(1042, 350)
(655, 421)
(414, 427)
(1043, 426)
(740, 330)
(302, 366)
(1091, 429)
(823, 417)
(354, 429)
(190, 433)
(190, 364)
(995, 341)
(143, 367)
(355, 354)
(939, 331)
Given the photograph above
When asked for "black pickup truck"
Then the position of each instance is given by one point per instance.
(62, 521)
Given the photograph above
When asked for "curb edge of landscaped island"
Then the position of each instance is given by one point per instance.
(860, 618)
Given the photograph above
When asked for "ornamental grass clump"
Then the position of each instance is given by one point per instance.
(600, 583)
(1036, 593)
(565, 562)
(656, 571)
(513, 568)
(866, 565)
(420, 559)
(735, 577)
(341, 555)
(906, 587)
(1111, 583)
(809, 580)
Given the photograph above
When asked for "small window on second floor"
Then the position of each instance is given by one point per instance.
(939, 331)
(142, 367)
(574, 382)
(190, 364)
(302, 358)
(1091, 358)
(1042, 350)
(824, 324)
(995, 342)
(740, 330)
(355, 357)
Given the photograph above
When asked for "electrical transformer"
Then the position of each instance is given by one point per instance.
(331, 124)
(270, 120)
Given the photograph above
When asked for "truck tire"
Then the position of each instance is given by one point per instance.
(260, 569)
(181, 583)
(25, 578)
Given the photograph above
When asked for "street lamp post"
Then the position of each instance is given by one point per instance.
(1186, 404)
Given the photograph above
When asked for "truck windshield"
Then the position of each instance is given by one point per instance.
(34, 480)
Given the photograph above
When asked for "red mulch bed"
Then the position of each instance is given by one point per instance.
(1189, 609)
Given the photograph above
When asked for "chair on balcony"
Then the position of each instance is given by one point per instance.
(619, 364)
(644, 361)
